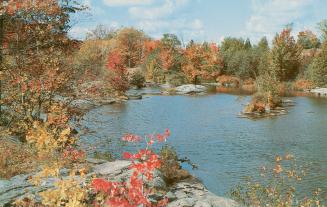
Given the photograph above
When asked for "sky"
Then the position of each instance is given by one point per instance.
(202, 20)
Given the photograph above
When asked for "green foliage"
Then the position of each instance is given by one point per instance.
(247, 44)
(323, 28)
(231, 44)
(176, 78)
(244, 60)
(267, 85)
(263, 44)
(285, 56)
(170, 41)
(317, 70)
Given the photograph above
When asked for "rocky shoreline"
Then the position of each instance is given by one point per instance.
(189, 192)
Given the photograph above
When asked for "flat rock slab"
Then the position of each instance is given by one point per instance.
(319, 91)
(112, 168)
(194, 194)
(190, 88)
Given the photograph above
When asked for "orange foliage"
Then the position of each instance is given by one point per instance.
(203, 61)
(302, 84)
(226, 80)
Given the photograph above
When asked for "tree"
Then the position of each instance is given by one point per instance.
(285, 56)
(263, 44)
(261, 54)
(101, 32)
(36, 52)
(323, 28)
(170, 41)
(119, 76)
(202, 61)
(131, 45)
(308, 40)
(317, 70)
(247, 44)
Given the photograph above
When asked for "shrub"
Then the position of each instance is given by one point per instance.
(16, 158)
(170, 166)
(135, 192)
(317, 70)
(137, 79)
(275, 187)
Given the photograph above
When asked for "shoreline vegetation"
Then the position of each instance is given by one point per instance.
(48, 81)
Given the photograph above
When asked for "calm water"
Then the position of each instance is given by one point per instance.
(226, 148)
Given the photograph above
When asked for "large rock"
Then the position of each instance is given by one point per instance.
(189, 192)
(319, 91)
(112, 168)
(190, 88)
(194, 194)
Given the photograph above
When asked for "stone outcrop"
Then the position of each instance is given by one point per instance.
(190, 88)
(321, 92)
(190, 192)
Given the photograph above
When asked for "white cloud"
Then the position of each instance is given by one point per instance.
(269, 17)
(152, 13)
(181, 27)
(165, 18)
(113, 3)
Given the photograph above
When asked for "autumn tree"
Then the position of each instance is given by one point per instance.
(35, 58)
(118, 77)
(285, 56)
(201, 61)
(170, 52)
(130, 42)
(163, 58)
(308, 40)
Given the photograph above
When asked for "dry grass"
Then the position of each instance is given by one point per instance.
(16, 158)
(20, 158)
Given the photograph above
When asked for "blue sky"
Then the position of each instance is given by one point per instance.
(202, 20)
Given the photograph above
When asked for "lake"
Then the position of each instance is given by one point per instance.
(226, 148)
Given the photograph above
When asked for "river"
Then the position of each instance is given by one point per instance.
(226, 148)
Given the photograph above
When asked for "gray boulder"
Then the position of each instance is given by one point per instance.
(193, 193)
(190, 88)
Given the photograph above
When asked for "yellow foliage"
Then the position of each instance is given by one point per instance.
(48, 139)
(68, 192)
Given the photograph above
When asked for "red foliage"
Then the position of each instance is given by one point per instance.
(115, 65)
(134, 193)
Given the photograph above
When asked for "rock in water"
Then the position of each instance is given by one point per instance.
(190, 88)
